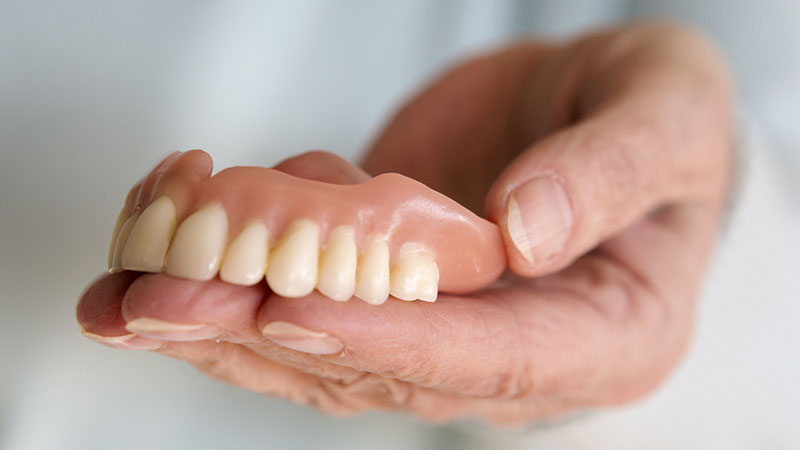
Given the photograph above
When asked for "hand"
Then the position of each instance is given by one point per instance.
(605, 163)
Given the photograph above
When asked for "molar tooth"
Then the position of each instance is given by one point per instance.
(198, 245)
(122, 239)
(245, 260)
(428, 288)
(415, 277)
(149, 239)
(372, 279)
(293, 264)
(337, 265)
(123, 216)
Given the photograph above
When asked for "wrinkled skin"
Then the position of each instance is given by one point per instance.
(634, 121)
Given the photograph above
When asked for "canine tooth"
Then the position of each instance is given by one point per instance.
(149, 239)
(198, 245)
(372, 277)
(115, 235)
(337, 265)
(293, 264)
(415, 277)
(245, 261)
(122, 239)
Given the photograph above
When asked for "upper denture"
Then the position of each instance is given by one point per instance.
(247, 223)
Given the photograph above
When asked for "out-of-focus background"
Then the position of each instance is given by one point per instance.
(92, 93)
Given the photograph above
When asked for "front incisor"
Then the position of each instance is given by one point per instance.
(150, 237)
(293, 263)
(123, 216)
(337, 265)
(372, 277)
(198, 245)
(245, 261)
(122, 239)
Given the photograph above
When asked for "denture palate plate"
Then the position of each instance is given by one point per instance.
(198, 245)
(245, 261)
(415, 276)
(149, 239)
(337, 265)
(372, 275)
(293, 263)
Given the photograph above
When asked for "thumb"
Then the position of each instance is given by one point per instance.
(573, 190)
(653, 130)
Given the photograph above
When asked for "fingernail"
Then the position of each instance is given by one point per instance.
(170, 331)
(124, 342)
(297, 338)
(539, 218)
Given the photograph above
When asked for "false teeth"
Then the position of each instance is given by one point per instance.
(415, 277)
(122, 239)
(123, 216)
(198, 245)
(372, 277)
(293, 264)
(149, 239)
(294, 268)
(337, 265)
(245, 261)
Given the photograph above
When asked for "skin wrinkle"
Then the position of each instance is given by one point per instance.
(588, 297)
(647, 314)
(516, 383)
(551, 379)
(307, 363)
(492, 384)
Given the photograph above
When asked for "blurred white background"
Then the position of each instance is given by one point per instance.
(92, 93)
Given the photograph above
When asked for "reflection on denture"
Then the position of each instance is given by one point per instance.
(198, 249)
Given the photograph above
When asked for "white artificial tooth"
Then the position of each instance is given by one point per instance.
(122, 239)
(428, 288)
(245, 261)
(372, 278)
(337, 265)
(123, 216)
(293, 263)
(149, 239)
(415, 277)
(198, 245)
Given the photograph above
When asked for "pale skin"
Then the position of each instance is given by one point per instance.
(634, 123)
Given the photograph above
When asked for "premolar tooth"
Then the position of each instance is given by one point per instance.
(245, 260)
(293, 264)
(372, 279)
(123, 216)
(415, 277)
(337, 265)
(122, 239)
(198, 245)
(149, 239)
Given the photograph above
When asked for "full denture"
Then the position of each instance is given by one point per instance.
(390, 235)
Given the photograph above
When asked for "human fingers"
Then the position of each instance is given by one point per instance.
(654, 129)
(99, 314)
